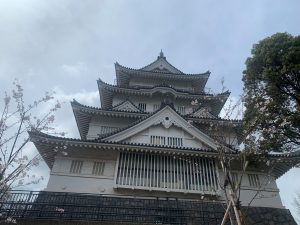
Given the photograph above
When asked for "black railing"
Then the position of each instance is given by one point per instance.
(117, 209)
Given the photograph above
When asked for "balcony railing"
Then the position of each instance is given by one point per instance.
(26, 205)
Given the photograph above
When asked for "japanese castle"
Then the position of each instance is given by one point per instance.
(149, 155)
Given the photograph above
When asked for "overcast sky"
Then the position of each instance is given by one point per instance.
(66, 45)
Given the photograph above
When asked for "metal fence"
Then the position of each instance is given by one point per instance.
(116, 209)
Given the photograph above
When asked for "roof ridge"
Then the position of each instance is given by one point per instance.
(211, 118)
(97, 140)
(163, 85)
(33, 133)
(165, 59)
(162, 72)
(127, 100)
(76, 103)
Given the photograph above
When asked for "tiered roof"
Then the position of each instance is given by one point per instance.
(49, 146)
(107, 91)
(160, 68)
(83, 115)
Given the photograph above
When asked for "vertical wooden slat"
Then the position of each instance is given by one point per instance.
(191, 181)
(157, 170)
(184, 175)
(145, 170)
(174, 173)
(194, 174)
(177, 174)
(138, 167)
(207, 174)
(133, 175)
(201, 174)
(181, 173)
(150, 171)
(118, 169)
(130, 168)
(123, 167)
(209, 163)
(165, 171)
(213, 167)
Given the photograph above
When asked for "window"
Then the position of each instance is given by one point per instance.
(106, 129)
(155, 107)
(181, 109)
(254, 180)
(170, 141)
(157, 140)
(142, 106)
(165, 172)
(98, 168)
(174, 141)
(76, 166)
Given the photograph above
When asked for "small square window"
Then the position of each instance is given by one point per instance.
(98, 168)
(142, 106)
(254, 180)
(76, 166)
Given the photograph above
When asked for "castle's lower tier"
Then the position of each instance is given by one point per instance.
(78, 209)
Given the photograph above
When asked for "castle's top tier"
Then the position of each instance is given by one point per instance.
(160, 72)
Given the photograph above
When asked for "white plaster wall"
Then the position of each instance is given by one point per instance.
(80, 184)
(62, 180)
(159, 130)
(186, 85)
(97, 122)
(268, 198)
(267, 195)
(151, 101)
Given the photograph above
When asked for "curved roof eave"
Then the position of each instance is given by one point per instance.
(49, 146)
(149, 90)
(106, 93)
(132, 71)
(46, 145)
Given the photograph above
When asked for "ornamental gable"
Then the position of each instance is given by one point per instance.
(203, 112)
(127, 106)
(171, 137)
(161, 65)
(165, 121)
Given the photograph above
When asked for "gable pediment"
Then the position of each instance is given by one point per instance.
(161, 65)
(127, 106)
(203, 112)
(171, 137)
(164, 119)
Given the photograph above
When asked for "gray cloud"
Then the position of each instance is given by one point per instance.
(67, 44)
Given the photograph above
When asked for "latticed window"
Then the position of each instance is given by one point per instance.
(166, 172)
(174, 141)
(170, 141)
(157, 140)
(156, 107)
(76, 166)
(181, 109)
(142, 106)
(106, 129)
(254, 180)
(98, 168)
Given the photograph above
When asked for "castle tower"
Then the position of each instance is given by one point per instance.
(149, 155)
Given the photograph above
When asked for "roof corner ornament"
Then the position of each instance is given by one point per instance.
(161, 55)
